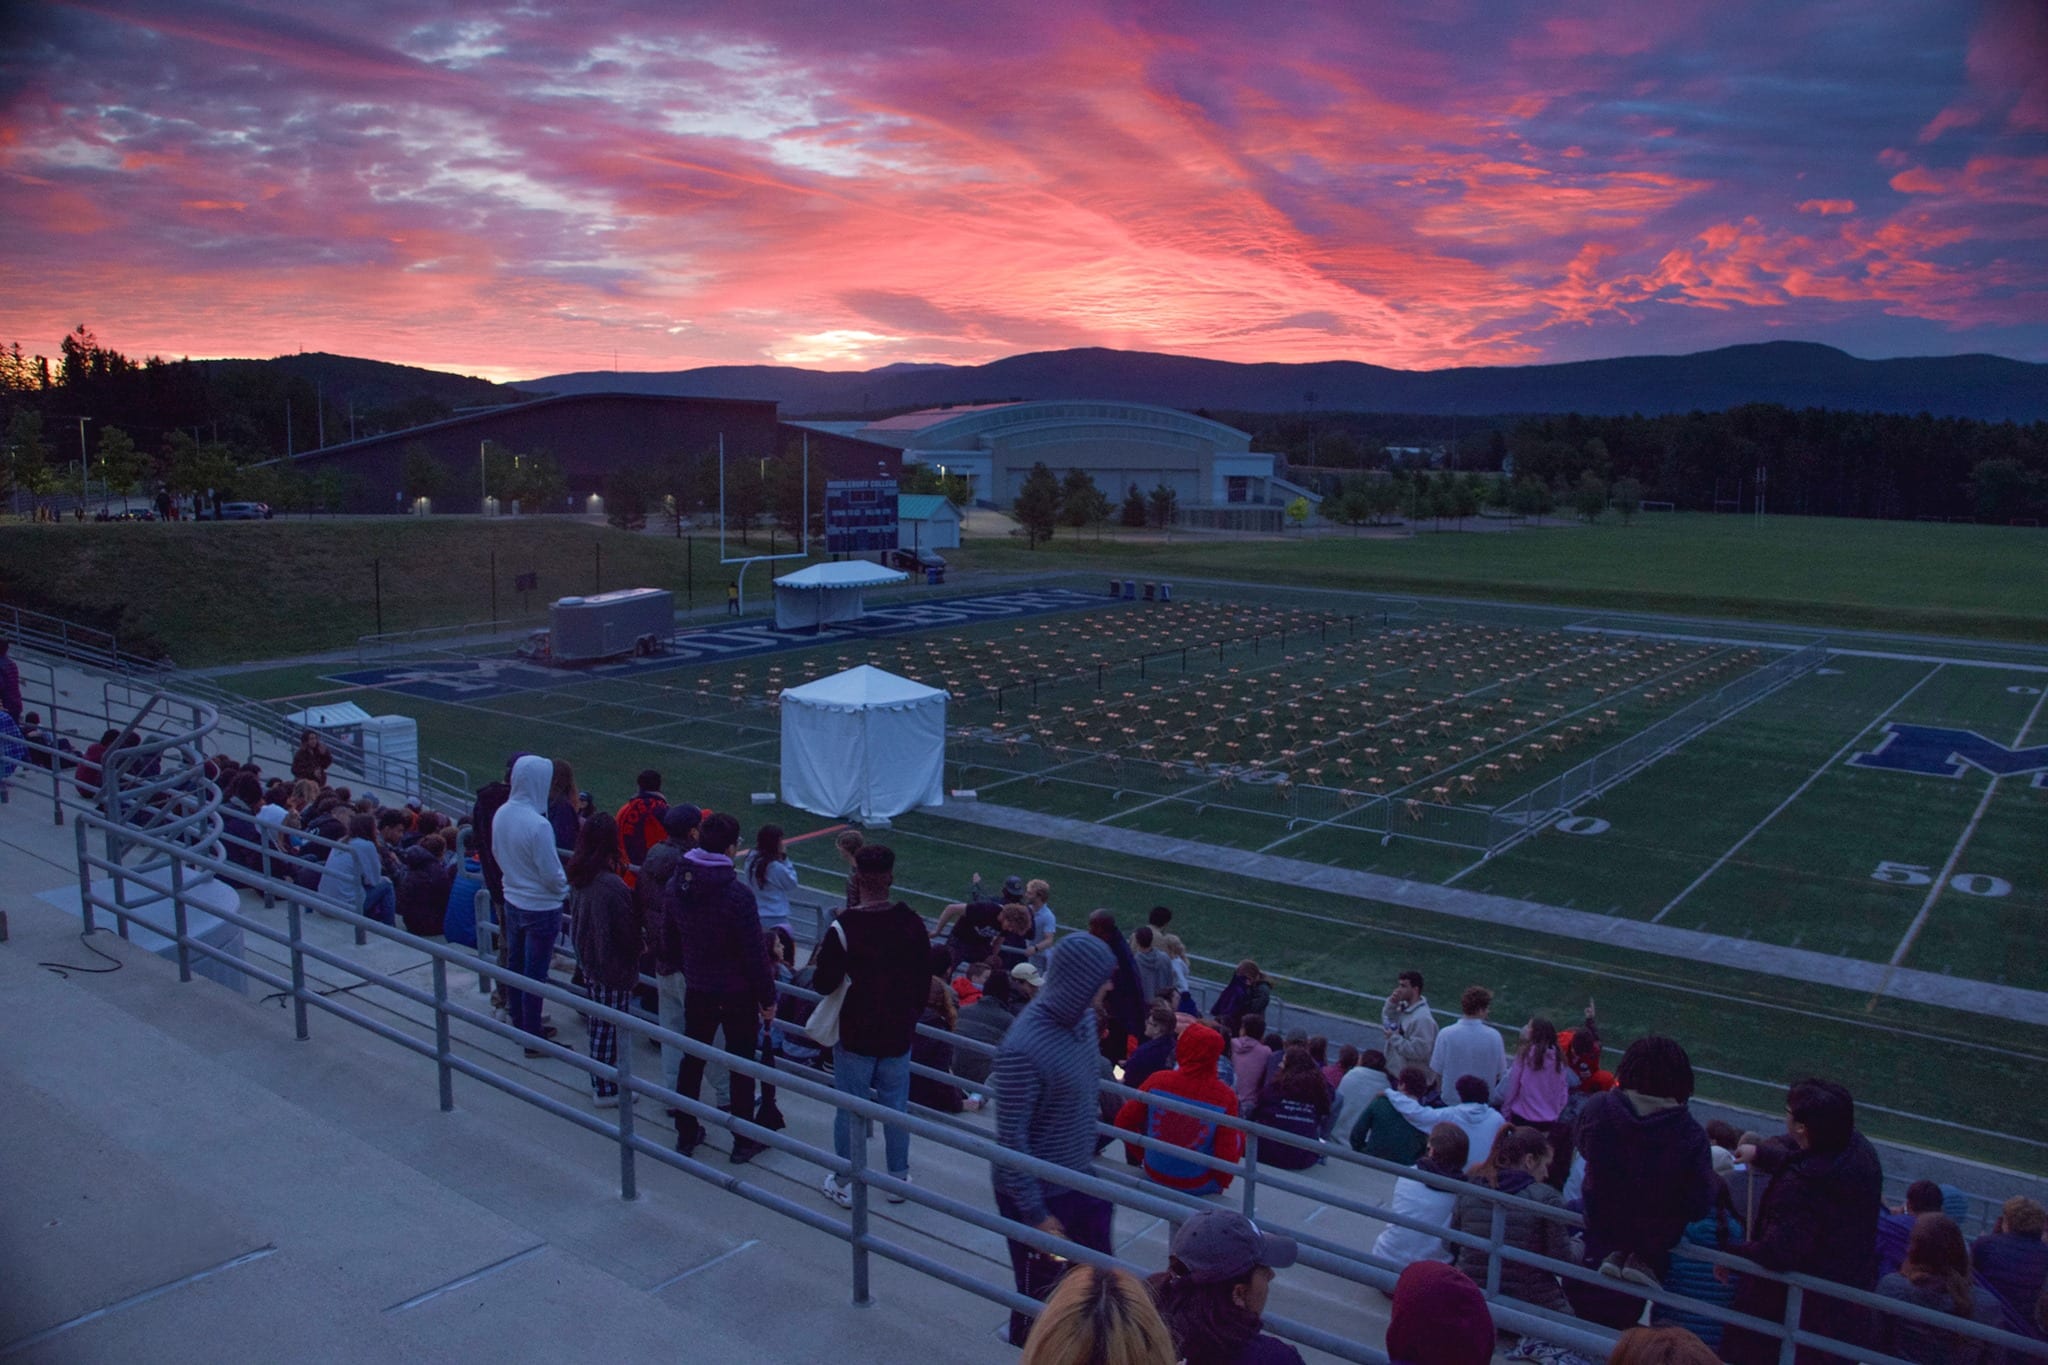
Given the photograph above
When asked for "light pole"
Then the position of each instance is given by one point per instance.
(483, 482)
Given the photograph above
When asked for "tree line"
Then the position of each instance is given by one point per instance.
(1045, 502)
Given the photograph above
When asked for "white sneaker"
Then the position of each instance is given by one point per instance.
(610, 1101)
(842, 1195)
(896, 1198)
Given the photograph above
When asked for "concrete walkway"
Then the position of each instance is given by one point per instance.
(1799, 964)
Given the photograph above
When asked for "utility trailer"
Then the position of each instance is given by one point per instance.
(608, 625)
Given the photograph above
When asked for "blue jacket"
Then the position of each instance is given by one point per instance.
(1695, 1280)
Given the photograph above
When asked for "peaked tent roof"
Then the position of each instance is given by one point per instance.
(850, 573)
(865, 688)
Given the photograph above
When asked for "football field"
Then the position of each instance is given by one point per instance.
(1872, 802)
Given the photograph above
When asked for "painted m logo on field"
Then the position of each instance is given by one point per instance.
(1936, 752)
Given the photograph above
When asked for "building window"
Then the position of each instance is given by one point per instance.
(1237, 488)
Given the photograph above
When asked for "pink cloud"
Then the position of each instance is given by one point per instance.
(1825, 207)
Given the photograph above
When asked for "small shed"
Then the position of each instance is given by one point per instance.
(824, 593)
(863, 743)
(926, 521)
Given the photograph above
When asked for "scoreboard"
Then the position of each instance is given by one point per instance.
(860, 516)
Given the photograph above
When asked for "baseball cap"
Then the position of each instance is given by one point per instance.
(1220, 1245)
(680, 819)
(1028, 973)
(1013, 887)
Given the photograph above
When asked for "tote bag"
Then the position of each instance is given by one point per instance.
(823, 1025)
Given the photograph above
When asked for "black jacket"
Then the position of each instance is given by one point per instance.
(1647, 1175)
(1126, 1000)
(604, 926)
(887, 953)
(714, 933)
(489, 798)
(1818, 1217)
(423, 892)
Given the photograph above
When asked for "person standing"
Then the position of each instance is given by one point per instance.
(605, 925)
(1470, 1047)
(524, 845)
(640, 824)
(1536, 1091)
(732, 597)
(879, 946)
(1409, 1026)
(1123, 1011)
(1045, 1076)
(1818, 1217)
(1155, 968)
(725, 966)
(10, 683)
(654, 890)
(772, 877)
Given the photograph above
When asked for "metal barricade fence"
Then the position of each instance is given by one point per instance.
(176, 857)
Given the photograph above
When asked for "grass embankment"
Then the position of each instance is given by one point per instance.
(211, 593)
(1910, 577)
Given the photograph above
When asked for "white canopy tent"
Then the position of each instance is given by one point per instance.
(824, 593)
(864, 743)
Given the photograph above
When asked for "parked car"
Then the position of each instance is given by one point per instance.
(916, 561)
(245, 511)
(125, 514)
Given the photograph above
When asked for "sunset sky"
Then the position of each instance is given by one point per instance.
(519, 190)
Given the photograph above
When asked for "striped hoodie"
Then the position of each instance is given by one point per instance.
(1045, 1073)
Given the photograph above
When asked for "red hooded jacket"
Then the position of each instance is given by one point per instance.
(1193, 1079)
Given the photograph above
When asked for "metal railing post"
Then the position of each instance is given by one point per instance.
(1787, 1347)
(85, 907)
(629, 1187)
(1251, 1175)
(1496, 1237)
(859, 1227)
(441, 1050)
(178, 919)
(295, 925)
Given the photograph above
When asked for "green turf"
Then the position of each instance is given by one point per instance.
(1804, 879)
(1935, 578)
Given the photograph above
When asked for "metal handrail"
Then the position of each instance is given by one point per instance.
(183, 858)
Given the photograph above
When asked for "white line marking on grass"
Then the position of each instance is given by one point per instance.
(1797, 792)
(1955, 854)
(1940, 659)
(1366, 927)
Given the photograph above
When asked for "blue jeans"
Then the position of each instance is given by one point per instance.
(529, 950)
(888, 1078)
(380, 902)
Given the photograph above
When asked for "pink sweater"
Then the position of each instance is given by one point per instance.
(1537, 1095)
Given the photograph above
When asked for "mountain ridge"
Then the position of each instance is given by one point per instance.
(1796, 374)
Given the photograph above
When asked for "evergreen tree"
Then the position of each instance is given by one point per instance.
(1134, 508)
(1038, 504)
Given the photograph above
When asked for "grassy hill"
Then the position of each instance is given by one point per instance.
(210, 593)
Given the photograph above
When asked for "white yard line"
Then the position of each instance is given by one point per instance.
(1798, 792)
(1955, 854)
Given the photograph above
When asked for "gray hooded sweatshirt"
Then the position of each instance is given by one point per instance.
(524, 842)
(1045, 1073)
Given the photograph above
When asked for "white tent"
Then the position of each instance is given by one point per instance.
(865, 743)
(824, 593)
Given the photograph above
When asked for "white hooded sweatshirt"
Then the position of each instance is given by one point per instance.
(524, 842)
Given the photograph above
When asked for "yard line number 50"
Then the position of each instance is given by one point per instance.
(1917, 874)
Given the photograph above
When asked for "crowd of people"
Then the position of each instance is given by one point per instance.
(671, 909)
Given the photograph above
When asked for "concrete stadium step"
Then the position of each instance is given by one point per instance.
(168, 1131)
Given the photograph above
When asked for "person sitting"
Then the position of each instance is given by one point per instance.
(1297, 1101)
(1517, 1165)
(1439, 1318)
(1194, 1080)
(423, 887)
(2013, 1260)
(985, 1021)
(1448, 1154)
(1013, 937)
(1098, 1315)
(1360, 1086)
(466, 878)
(1480, 1121)
(1660, 1346)
(1219, 1271)
(1249, 1058)
(968, 986)
(1895, 1230)
(939, 1013)
(1155, 1054)
(1720, 1229)
(1936, 1276)
(1394, 1126)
